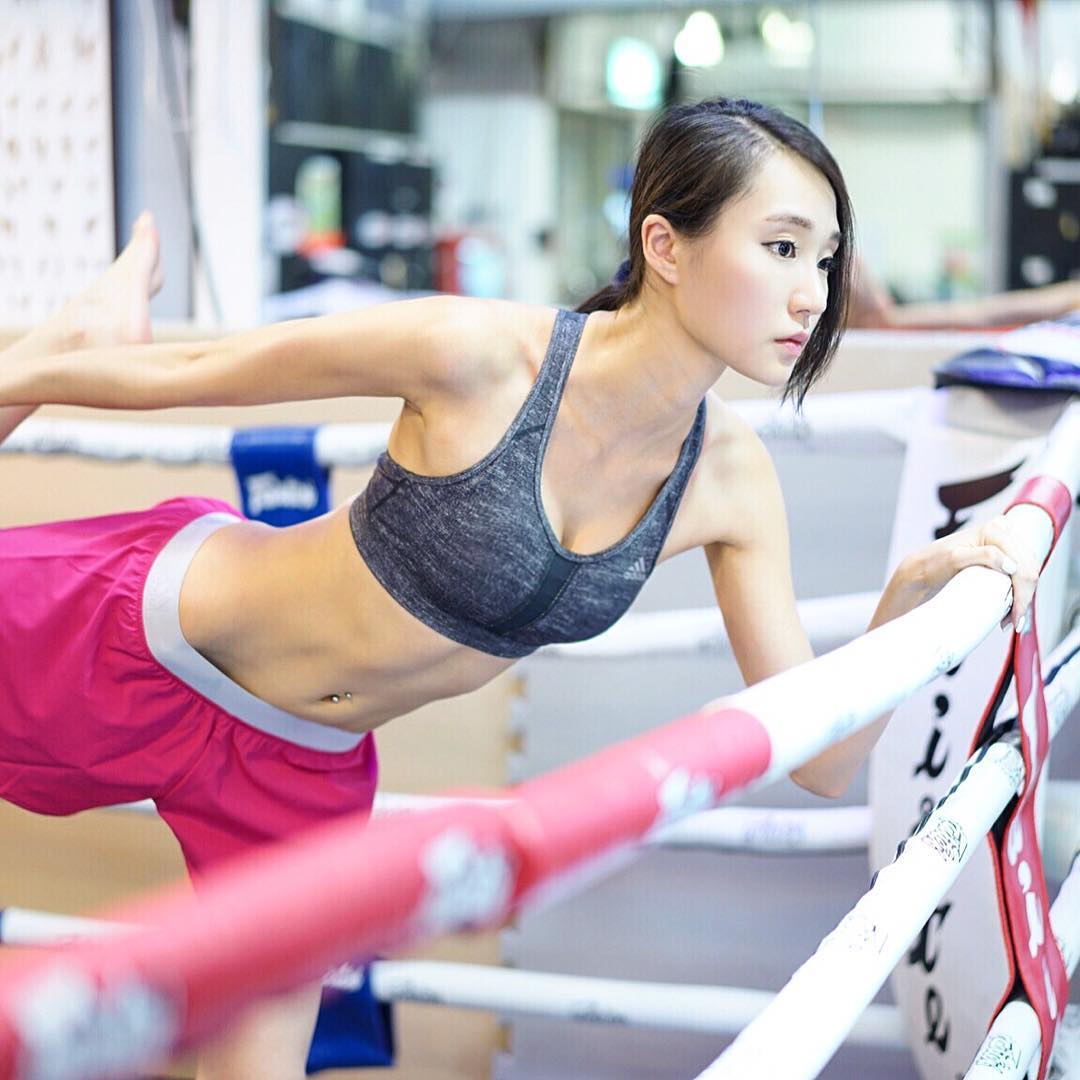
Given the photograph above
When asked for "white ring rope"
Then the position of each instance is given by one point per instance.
(345, 445)
(812, 706)
(829, 419)
(806, 1023)
(828, 621)
(767, 830)
(710, 1010)
(837, 829)
(803, 1027)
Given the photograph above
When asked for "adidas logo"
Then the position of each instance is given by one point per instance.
(268, 491)
(638, 572)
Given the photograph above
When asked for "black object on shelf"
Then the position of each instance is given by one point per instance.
(1044, 223)
(386, 214)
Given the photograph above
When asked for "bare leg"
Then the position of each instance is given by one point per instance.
(114, 310)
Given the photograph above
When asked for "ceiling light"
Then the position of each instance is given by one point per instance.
(700, 43)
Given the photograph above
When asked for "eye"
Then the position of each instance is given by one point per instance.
(828, 264)
(786, 249)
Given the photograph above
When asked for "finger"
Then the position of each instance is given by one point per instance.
(993, 557)
(999, 533)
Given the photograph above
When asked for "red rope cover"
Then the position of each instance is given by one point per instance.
(1034, 957)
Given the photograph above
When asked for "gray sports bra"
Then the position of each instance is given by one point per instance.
(473, 555)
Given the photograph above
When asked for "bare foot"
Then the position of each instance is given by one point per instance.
(115, 309)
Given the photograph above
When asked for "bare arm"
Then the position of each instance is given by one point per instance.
(751, 573)
(872, 307)
(413, 349)
(44, 341)
(1000, 309)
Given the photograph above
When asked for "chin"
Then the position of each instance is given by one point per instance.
(774, 379)
(771, 373)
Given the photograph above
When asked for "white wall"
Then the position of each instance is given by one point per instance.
(229, 155)
(917, 178)
(152, 168)
(496, 158)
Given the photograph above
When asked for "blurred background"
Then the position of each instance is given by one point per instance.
(307, 155)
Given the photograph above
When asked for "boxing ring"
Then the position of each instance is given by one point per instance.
(112, 1002)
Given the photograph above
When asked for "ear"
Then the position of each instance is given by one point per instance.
(660, 242)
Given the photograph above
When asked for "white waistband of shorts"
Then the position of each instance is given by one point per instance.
(161, 621)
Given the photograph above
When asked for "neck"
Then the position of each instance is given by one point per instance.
(644, 371)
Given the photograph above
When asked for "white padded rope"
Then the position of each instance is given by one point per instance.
(805, 1025)
(346, 445)
(829, 420)
(713, 1010)
(829, 621)
(812, 706)
(799, 830)
(801, 1030)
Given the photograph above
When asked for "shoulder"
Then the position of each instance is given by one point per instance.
(472, 342)
(737, 487)
(732, 453)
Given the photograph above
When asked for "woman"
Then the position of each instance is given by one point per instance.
(542, 464)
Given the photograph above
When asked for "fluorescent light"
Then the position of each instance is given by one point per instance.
(1063, 82)
(633, 74)
(791, 40)
(700, 42)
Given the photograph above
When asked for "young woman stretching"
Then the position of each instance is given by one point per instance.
(543, 463)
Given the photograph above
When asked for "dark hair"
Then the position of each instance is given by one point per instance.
(696, 158)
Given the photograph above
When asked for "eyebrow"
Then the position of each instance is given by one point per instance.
(799, 222)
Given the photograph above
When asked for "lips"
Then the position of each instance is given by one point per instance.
(793, 345)
(796, 339)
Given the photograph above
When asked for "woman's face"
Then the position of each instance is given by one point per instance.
(751, 291)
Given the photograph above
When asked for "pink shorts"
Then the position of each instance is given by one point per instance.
(102, 700)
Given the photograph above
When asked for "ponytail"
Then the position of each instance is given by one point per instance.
(610, 297)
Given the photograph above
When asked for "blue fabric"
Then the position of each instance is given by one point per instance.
(991, 367)
(1042, 356)
(353, 1030)
(280, 481)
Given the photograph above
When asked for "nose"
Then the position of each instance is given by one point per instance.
(810, 296)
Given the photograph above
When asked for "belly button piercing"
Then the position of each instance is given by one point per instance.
(335, 699)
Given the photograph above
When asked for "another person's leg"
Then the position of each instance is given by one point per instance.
(114, 310)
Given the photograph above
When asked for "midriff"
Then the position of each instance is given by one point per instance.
(294, 616)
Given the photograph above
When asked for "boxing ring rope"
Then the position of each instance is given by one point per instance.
(767, 830)
(828, 621)
(833, 417)
(106, 1006)
(805, 1024)
(709, 1010)
(720, 1011)
(345, 445)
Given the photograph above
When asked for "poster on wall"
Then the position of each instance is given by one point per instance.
(57, 226)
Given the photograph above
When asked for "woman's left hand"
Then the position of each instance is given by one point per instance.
(993, 544)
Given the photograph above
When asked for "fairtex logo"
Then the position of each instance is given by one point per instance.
(268, 491)
(638, 572)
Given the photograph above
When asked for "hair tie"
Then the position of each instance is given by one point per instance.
(622, 274)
